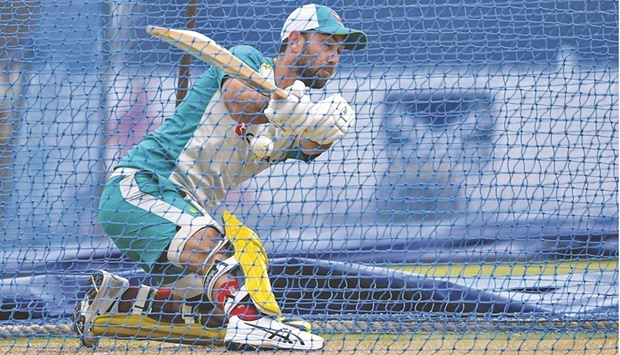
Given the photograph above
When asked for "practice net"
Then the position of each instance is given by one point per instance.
(472, 207)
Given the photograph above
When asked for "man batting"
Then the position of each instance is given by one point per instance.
(154, 206)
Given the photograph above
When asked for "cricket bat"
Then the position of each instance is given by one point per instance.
(207, 50)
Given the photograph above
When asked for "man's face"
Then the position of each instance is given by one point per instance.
(319, 57)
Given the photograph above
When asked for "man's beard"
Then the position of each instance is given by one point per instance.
(312, 80)
(309, 73)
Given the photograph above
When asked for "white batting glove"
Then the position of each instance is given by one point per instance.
(291, 113)
(330, 120)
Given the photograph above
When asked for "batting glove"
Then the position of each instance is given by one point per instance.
(331, 119)
(291, 113)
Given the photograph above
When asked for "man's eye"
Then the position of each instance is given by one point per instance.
(336, 47)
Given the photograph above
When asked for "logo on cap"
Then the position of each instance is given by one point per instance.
(337, 17)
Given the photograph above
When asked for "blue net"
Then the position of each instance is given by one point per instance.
(477, 192)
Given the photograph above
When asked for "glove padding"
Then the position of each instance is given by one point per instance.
(290, 114)
(329, 120)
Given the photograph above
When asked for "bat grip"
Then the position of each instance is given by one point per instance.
(279, 94)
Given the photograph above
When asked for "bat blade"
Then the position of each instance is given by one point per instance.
(209, 51)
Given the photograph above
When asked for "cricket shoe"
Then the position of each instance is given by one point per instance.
(268, 333)
(103, 292)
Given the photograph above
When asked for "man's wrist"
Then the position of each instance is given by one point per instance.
(310, 147)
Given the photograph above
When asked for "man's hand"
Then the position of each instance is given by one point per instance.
(291, 114)
(329, 120)
(323, 122)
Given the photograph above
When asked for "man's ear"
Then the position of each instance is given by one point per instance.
(296, 41)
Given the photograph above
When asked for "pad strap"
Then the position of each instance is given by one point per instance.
(219, 247)
(187, 313)
(218, 269)
(233, 300)
(144, 300)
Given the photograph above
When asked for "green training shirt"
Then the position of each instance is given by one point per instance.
(197, 147)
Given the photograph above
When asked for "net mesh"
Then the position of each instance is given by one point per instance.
(472, 206)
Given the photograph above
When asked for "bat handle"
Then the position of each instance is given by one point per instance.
(279, 94)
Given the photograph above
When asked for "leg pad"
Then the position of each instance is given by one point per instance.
(139, 327)
(252, 258)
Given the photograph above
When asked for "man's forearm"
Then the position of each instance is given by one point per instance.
(244, 104)
(310, 147)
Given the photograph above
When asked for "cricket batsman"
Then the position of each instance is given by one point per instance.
(155, 203)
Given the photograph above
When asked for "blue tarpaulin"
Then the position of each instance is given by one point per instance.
(329, 284)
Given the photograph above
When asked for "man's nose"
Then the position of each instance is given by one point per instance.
(334, 58)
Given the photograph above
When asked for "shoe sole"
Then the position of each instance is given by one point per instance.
(232, 346)
(241, 347)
